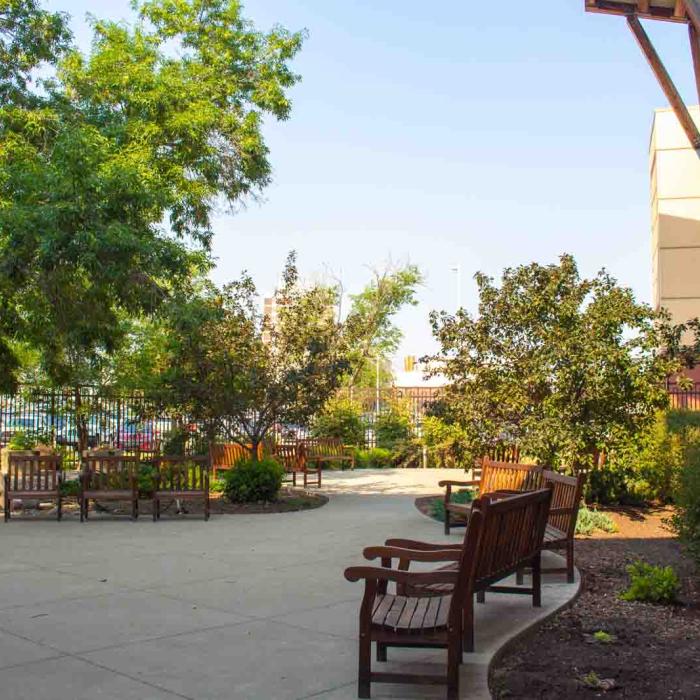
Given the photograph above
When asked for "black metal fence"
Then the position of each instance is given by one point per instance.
(685, 400)
(130, 420)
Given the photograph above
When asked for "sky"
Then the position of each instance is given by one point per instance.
(450, 135)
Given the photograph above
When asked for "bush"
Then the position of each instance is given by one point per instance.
(437, 508)
(146, 480)
(376, 458)
(686, 520)
(251, 482)
(393, 427)
(445, 442)
(70, 488)
(651, 584)
(342, 419)
(648, 467)
(591, 520)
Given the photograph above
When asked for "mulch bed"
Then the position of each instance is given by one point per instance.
(290, 500)
(655, 652)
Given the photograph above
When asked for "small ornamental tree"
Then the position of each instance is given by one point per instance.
(565, 366)
(241, 374)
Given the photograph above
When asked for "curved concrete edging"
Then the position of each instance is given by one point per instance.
(531, 628)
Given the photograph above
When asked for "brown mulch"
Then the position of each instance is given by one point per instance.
(655, 650)
(289, 500)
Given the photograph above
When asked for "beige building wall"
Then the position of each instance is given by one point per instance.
(675, 198)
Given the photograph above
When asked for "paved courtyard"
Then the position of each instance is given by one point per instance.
(239, 608)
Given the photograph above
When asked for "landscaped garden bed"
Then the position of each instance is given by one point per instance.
(288, 500)
(605, 645)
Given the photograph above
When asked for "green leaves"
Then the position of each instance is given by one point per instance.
(109, 176)
(565, 366)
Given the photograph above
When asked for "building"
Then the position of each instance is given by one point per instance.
(675, 200)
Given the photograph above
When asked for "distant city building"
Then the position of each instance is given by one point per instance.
(412, 374)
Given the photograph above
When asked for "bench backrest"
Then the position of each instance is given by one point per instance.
(567, 492)
(227, 455)
(33, 471)
(109, 471)
(178, 473)
(500, 476)
(290, 456)
(502, 536)
(323, 447)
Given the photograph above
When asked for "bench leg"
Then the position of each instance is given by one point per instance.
(206, 508)
(320, 471)
(294, 478)
(135, 509)
(365, 666)
(306, 477)
(537, 581)
(59, 508)
(570, 562)
(447, 521)
(155, 509)
(6, 505)
(468, 625)
(454, 659)
(481, 597)
(381, 651)
(520, 577)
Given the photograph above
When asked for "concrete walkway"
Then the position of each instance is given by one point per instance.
(239, 608)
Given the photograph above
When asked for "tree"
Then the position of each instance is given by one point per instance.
(566, 366)
(369, 328)
(110, 172)
(239, 373)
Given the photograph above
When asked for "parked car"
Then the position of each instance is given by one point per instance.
(16, 424)
(140, 435)
(67, 433)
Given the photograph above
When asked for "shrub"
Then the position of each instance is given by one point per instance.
(591, 520)
(686, 520)
(70, 488)
(376, 458)
(250, 482)
(648, 467)
(28, 440)
(393, 427)
(217, 485)
(651, 584)
(437, 508)
(445, 442)
(342, 419)
(146, 479)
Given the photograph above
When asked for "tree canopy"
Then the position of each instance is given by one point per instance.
(110, 172)
(565, 366)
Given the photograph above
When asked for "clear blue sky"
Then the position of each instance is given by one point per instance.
(448, 134)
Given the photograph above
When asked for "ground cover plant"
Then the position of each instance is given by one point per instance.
(651, 584)
(591, 520)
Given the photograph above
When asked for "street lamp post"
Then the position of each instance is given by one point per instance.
(457, 269)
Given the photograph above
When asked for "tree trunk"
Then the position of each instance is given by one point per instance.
(80, 423)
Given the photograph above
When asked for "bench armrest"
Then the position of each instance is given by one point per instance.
(451, 482)
(426, 546)
(375, 573)
(562, 511)
(408, 555)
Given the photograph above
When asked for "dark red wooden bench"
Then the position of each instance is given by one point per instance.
(32, 476)
(108, 475)
(503, 477)
(502, 537)
(181, 478)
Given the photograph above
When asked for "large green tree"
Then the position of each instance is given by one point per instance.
(110, 172)
(565, 366)
(239, 372)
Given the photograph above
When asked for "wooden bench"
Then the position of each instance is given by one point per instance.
(293, 458)
(496, 477)
(109, 476)
(181, 479)
(224, 456)
(567, 492)
(327, 451)
(446, 621)
(32, 475)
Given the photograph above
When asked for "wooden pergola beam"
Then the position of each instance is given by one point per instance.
(665, 80)
(692, 10)
(695, 51)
